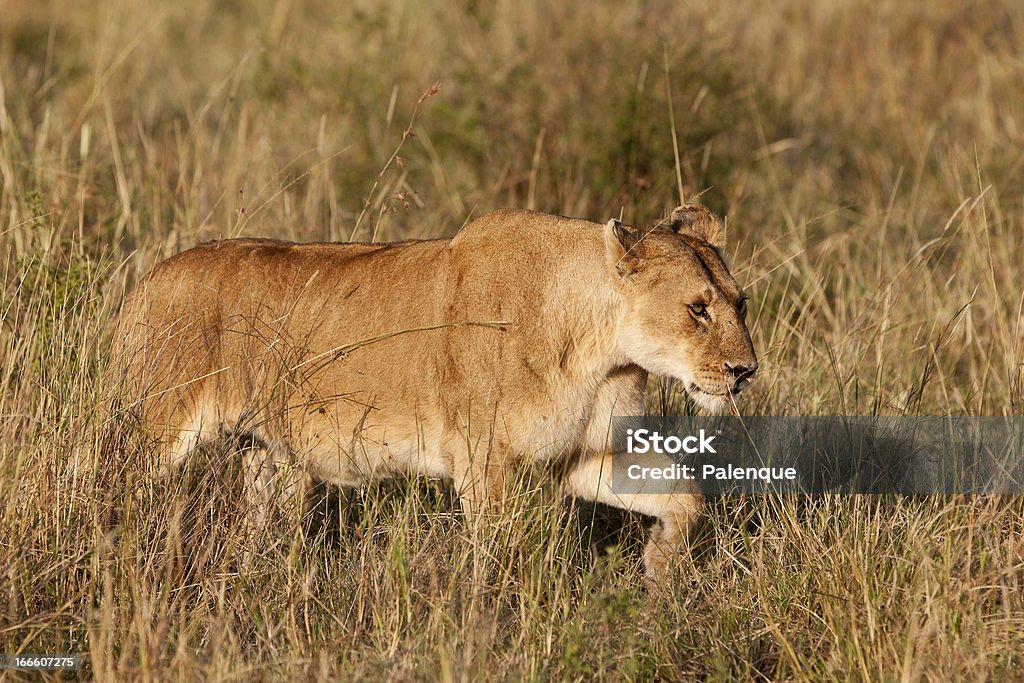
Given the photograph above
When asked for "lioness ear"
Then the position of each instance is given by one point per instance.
(695, 220)
(622, 245)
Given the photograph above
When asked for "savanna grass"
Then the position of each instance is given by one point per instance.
(868, 156)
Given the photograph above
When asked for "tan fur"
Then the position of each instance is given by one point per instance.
(514, 342)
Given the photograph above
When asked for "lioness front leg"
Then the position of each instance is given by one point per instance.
(480, 482)
(677, 512)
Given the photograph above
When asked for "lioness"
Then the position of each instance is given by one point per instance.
(514, 342)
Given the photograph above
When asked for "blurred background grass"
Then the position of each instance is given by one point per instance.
(867, 155)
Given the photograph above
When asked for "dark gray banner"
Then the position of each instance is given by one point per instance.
(903, 455)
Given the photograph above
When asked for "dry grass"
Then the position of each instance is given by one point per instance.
(869, 156)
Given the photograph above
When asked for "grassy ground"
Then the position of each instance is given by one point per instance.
(869, 156)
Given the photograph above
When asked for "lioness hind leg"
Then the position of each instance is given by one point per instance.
(173, 450)
(189, 439)
(677, 513)
(258, 475)
(268, 482)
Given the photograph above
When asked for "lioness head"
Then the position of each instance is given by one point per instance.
(684, 314)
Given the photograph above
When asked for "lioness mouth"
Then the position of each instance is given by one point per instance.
(694, 389)
(737, 388)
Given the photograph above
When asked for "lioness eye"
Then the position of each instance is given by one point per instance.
(699, 310)
(742, 306)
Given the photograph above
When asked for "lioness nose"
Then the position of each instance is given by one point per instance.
(741, 372)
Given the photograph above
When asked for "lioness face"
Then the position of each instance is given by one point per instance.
(684, 314)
